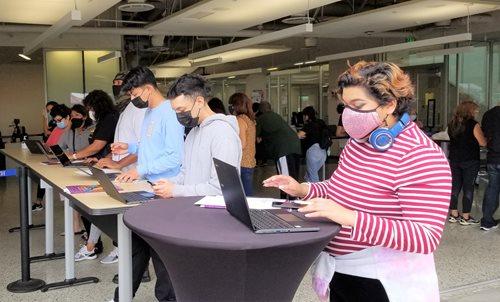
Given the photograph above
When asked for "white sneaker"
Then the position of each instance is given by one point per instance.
(111, 257)
(83, 254)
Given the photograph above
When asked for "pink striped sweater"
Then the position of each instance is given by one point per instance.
(401, 196)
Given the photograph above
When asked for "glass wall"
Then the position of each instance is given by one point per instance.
(76, 71)
(495, 76)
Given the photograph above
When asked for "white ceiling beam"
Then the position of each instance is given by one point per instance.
(234, 73)
(94, 8)
(262, 39)
(396, 47)
(55, 30)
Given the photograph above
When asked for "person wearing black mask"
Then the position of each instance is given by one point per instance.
(77, 136)
(121, 99)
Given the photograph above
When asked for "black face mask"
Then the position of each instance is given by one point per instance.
(116, 90)
(139, 102)
(186, 119)
(76, 123)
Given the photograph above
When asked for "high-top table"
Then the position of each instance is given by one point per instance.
(102, 210)
(211, 256)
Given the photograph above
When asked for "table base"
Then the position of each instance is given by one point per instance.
(21, 286)
(69, 283)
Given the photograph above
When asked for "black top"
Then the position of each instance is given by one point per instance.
(105, 131)
(313, 130)
(491, 129)
(464, 146)
(340, 121)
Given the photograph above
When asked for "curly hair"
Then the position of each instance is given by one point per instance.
(384, 81)
(60, 110)
(100, 102)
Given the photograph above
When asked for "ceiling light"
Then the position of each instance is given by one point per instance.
(136, 6)
(445, 51)
(272, 68)
(298, 64)
(397, 47)
(237, 55)
(231, 77)
(24, 56)
(234, 73)
(261, 39)
(310, 62)
(110, 56)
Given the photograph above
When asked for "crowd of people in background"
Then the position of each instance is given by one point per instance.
(170, 141)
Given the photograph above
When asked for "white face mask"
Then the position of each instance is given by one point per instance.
(92, 115)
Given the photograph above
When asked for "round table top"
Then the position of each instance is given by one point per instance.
(180, 222)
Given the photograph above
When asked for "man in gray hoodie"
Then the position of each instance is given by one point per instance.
(212, 135)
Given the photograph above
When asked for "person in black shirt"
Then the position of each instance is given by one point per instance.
(103, 112)
(465, 138)
(491, 128)
(340, 132)
(311, 134)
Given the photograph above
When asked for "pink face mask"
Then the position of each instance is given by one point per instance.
(359, 123)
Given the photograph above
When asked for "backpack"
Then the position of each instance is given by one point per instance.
(325, 140)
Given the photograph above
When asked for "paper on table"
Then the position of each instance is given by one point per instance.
(253, 202)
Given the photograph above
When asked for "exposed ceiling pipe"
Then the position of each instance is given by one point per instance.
(125, 31)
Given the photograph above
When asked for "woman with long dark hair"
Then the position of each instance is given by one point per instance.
(241, 106)
(312, 136)
(466, 137)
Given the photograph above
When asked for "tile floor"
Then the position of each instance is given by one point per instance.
(467, 262)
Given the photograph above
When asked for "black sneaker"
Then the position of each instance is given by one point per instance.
(485, 228)
(36, 207)
(145, 278)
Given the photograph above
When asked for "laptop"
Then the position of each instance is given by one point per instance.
(126, 197)
(260, 221)
(64, 159)
(33, 147)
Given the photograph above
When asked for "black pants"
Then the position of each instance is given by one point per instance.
(293, 162)
(141, 253)
(347, 288)
(463, 175)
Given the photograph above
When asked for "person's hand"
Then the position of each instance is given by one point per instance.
(90, 160)
(301, 134)
(119, 148)
(326, 208)
(259, 140)
(164, 188)
(108, 163)
(129, 176)
(287, 184)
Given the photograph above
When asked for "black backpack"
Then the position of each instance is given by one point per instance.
(325, 139)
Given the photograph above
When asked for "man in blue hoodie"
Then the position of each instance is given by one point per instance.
(160, 153)
(212, 135)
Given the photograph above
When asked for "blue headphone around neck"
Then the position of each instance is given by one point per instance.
(382, 138)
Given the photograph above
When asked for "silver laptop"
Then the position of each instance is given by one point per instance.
(260, 221)
(64, 159)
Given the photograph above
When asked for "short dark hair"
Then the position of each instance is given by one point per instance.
(192, 85)
(61, 110)
(310, 112)
(51, 103)
(138, 76)
(217, 106)
(100, 101)
(83, 111)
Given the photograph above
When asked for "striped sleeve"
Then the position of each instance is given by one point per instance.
(423, 187)
(318, 190)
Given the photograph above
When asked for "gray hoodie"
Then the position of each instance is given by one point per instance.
(217, 136)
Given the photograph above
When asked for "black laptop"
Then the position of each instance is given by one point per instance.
(126, 197)
(64, 159)
(260, 221)
(33, 147)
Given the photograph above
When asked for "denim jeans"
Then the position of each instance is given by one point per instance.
(490, 201)
(247, 180)
(315, 158)
(463, 175)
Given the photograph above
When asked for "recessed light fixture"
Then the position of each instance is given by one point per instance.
(24, 56)
(272, 68)
(298, 64)
(231, 77)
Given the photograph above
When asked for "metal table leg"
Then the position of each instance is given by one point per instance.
(26, 284)
(30, 214)
(124, 261)
(49, 226)
(69, 250)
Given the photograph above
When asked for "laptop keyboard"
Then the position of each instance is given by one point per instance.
(134, 197)
(262, 220)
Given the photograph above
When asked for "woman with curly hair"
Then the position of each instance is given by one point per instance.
(390, 193)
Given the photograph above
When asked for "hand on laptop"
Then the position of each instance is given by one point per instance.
(119, 148)
(108, 163)
(287, 184)
(326, 208)
(129, 176)
(163, 188)
(90, 160)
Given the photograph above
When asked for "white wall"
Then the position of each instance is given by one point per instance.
(21, 96)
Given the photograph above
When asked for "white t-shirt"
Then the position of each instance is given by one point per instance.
(128, 129)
